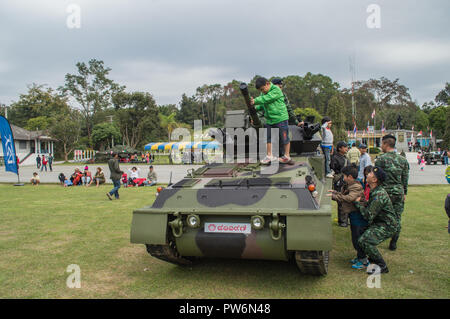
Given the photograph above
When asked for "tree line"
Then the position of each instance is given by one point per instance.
(91, 111)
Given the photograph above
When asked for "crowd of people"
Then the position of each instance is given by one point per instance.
(135, 158)
(370, 196)
(42, 162)
(86, 178)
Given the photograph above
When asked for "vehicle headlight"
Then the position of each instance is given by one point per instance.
(193, 221)
(257, 222)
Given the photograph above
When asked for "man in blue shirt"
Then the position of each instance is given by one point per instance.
(364, 161)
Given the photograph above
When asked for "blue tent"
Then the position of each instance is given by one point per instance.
(190, 145)
(148, 147)
(161, 146)
(213, 145)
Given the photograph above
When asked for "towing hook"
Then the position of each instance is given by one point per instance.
(177, 225)
(276, 227)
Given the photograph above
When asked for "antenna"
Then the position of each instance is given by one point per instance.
(353, 75)
(170, 179)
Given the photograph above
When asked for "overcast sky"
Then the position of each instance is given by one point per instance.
(170, 47)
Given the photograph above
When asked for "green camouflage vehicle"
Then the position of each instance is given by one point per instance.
(234, 210)
(433, 157)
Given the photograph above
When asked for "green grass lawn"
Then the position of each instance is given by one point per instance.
(46, 228)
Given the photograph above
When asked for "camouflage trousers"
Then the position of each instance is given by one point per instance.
(399, 205)
(372, 237)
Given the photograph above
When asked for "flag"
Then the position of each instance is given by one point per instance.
(368, 126)
(382, 127)
(419, 134)
(412, 129)
(431, 133)
(9, 149)
(373, 113)
(354, 130)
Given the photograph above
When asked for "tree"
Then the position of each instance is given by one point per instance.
(190, 110)
(304, 112)
(104, 133)
(208, 97)
(138, 119)
(438, 118)
(312, 90)
(336, 111)
(168, 109)
(447, 129)
(92, 90)
(38, 123)
(40, 103)
(443, 97)
(66, 130)
(421, 121)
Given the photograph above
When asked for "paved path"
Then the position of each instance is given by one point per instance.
(163, 172)
(432, 174)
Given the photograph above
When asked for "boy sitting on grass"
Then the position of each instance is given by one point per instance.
(352, 190)
(271, 101)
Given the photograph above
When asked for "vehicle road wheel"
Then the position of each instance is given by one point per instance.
(312, 262)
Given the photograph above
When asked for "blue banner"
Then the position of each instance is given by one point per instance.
(9, 149)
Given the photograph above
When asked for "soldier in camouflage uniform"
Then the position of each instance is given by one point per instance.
(396, 183)
(381, 217)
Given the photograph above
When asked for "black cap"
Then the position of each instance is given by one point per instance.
(389, 136)
(380, 174)
(362, 145)
(277, 81)
(341, 144)
(151, 166)
(326, 119)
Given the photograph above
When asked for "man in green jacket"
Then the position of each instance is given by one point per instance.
(271, 101)
(381, 218)
(116, 174)
(396, 183)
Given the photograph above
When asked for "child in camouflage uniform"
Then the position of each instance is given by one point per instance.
(381, 218)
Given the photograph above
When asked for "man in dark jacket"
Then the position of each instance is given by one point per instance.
(116, 174)
(38, 162)
(338, 161)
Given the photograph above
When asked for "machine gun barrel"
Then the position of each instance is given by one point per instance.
(251, 108)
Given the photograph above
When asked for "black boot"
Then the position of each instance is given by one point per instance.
(381, 263)
(393, 243)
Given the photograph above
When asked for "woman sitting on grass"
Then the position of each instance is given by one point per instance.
(99, 177)
(35, 179)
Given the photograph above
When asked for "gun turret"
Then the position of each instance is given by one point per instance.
(251, 108)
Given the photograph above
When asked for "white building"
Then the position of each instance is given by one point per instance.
(29, 144)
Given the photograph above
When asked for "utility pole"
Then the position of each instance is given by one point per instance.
(110, 117)
(353, 75)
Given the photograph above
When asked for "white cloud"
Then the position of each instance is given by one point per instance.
(167, 82)
(409, 54)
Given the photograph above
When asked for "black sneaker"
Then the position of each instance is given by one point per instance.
(109, 196)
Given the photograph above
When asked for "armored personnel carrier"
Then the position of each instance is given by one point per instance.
(238, 210)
